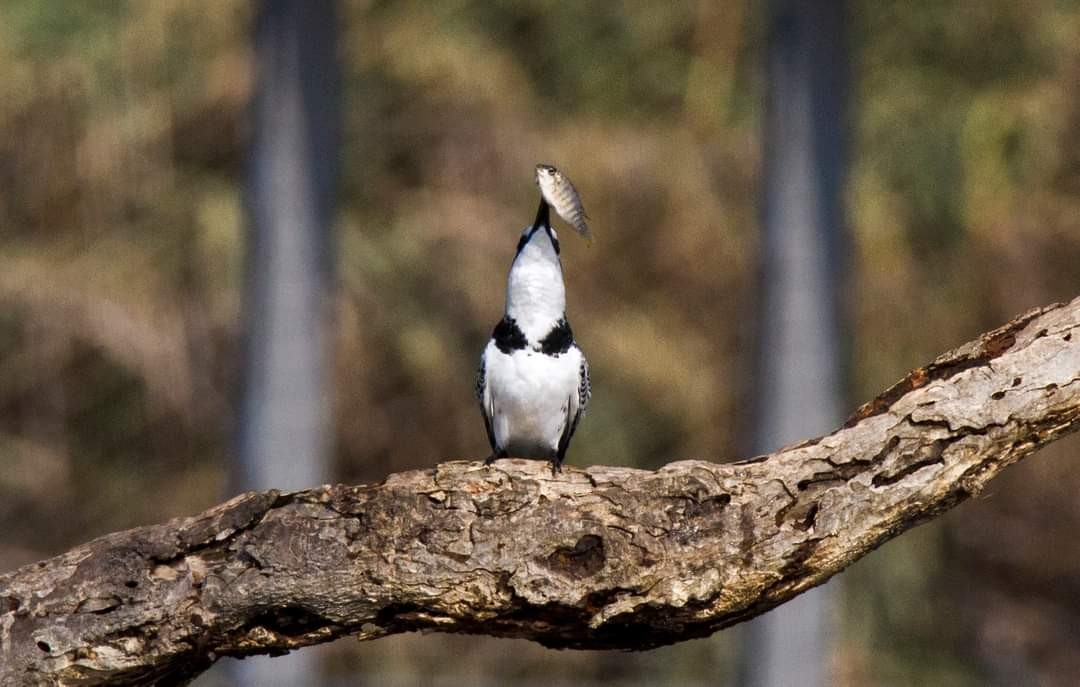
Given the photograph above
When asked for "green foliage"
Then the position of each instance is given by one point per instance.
(84, 29)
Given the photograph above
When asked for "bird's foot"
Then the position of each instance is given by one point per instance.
(556, 467)
(494, 457)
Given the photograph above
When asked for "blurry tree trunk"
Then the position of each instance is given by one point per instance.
(284, 439)
(799, 367)
(600, 558)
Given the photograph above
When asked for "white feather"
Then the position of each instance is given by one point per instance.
(535, 294)
(531, 397)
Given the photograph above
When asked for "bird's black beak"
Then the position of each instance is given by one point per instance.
(543, 215)
(542, 221)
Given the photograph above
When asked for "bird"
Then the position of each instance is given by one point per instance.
(533, 380)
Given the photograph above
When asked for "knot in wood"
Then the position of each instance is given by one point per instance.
(585, 559)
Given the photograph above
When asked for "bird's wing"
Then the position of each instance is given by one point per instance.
(584, 388)
(575, 408)
(487, 406)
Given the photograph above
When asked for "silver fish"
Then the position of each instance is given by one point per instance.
(559, 192)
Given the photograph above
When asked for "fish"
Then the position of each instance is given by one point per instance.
(559, 193)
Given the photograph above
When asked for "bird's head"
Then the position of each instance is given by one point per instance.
(540, 235)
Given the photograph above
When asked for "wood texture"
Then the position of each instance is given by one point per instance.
(602, 557)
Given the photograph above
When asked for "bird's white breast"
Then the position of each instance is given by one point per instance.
(531, 395)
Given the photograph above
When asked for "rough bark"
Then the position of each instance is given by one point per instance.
(604, 557)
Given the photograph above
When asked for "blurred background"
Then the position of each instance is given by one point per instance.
(125, 135)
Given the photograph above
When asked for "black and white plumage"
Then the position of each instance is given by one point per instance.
(533, 382)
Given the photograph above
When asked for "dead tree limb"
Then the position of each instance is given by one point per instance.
(599, 558)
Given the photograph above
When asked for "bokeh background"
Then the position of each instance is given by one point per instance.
(123, 131)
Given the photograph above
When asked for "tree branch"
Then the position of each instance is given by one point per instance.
(600, 558)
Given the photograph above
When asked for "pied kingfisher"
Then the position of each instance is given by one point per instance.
(533, 382)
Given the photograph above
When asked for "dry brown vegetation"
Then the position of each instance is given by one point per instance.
(121, 244)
